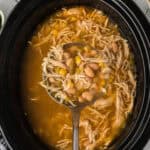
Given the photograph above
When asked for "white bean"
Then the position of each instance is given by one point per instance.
(93, 53)
(66, 55)
(89, 72)
(51, 80)
(81, 99)
(69, 62)
(87, 95)
(94, 86)
(71, 91)
(94, 66)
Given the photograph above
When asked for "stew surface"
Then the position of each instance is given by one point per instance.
(102, 122)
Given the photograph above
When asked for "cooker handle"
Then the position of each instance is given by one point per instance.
(2, 20)
(5, 9)
(17, 1)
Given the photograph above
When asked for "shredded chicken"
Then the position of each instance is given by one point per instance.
(117, 77)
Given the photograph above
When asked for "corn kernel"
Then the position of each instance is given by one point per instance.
(111, 79)
(54, 32)
(67, 98)
(70, 84)
(86, 49)
(102, 65)
(63, 72)
(77, 60)
(78, 70)
(57, 69)
(56, 26)
(73, 18)
(63, 24)
(102, 82)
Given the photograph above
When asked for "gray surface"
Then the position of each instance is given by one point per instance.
(8, 5)
(144, 6)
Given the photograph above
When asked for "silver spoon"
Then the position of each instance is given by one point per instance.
(79, 106)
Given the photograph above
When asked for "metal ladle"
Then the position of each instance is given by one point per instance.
(79, 106)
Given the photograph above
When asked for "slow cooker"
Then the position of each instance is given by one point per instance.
(20, 26)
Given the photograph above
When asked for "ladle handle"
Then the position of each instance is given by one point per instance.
(75, 122)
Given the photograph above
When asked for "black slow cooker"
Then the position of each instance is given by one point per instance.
(20, 26)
